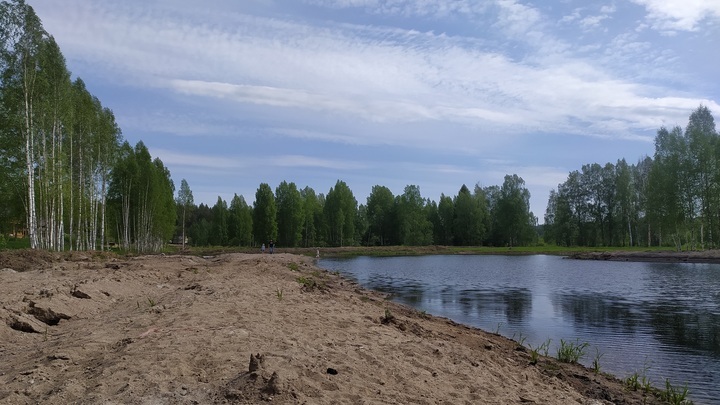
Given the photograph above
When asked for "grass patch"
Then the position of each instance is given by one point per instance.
(293, 266)
(570, 352)
(639, 380)
(675, 395)
(596, 361)
(310, 283)
(534, 355)
(520, 340)
(388, 317)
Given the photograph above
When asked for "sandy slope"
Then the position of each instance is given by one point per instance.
(182, 329)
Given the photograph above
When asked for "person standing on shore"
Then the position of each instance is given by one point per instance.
(272, 246)
(262, 248)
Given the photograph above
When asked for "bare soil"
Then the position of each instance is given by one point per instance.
(700, 256)
(245, 329)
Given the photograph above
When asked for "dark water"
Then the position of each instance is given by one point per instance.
(662, 319)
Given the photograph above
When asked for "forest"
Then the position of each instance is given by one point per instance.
(292, 217)
(71, 182)
(670, 199)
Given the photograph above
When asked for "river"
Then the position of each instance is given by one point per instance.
(661, 320)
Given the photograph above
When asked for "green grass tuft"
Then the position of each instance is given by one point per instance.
(570, 352)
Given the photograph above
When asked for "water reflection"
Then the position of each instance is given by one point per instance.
(518, 304)
(698, 332)
(515, 305)
(674, 325)
(593, 310)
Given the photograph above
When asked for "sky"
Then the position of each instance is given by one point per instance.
(435, 93)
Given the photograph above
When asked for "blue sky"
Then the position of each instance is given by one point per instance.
(437, 93)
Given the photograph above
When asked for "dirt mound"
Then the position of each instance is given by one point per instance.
(26, 259)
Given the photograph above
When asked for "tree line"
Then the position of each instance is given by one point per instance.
(670, 199)
(69, 180)
(294, 217)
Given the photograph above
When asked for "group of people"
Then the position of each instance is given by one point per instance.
(271, 245)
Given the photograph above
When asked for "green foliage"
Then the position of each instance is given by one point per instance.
(633, 381)
(667, 200)
(240, 222)
(471, 217)
(520, 340)
(444, 227)
(56, 140)
(184, 202)
(675, 395)
(596, 361)
(264, 215)
(639, 380)
(534, 355)
(293, 266)
(512, 221)
(413, 225)
(535, 352)
(381, 216)
(570, 352)
(219, 229)
(141, 200)
(313, 219)
(289, 214)
(308, 283)
(340, 212)
(387, 317)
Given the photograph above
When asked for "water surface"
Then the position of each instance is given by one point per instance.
(661, 319)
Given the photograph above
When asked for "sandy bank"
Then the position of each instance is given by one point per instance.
(703, 256)
(182, 329)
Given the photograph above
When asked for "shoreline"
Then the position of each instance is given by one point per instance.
(181, 329)
(639, 255)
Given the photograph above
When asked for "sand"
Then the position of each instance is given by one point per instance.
(93, 329)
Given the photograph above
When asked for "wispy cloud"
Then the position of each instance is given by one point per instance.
(222, 164)
(378, 74)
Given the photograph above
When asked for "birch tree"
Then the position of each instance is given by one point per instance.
(184, 201)
(21, 38)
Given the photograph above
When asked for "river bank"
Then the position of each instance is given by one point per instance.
(176, 329)
(581, 253)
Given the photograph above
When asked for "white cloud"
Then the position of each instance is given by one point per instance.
(593, 21)
(683, 15)
(608, 9)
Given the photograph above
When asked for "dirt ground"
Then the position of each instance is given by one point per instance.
(247, 329)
